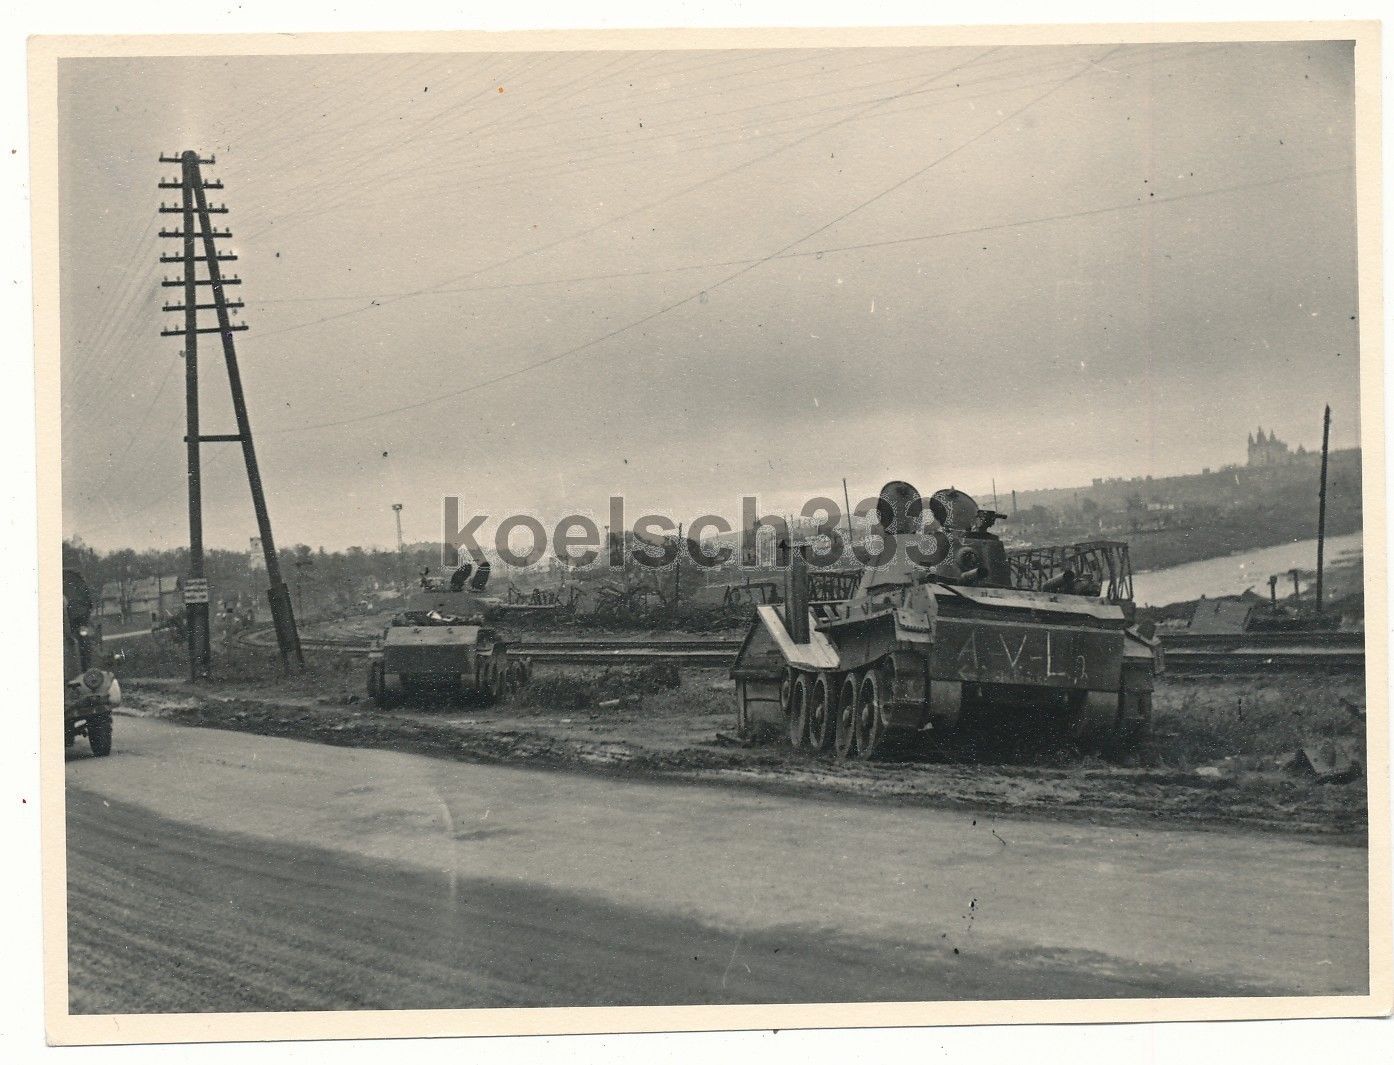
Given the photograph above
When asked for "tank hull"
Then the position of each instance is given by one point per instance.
(944, 659)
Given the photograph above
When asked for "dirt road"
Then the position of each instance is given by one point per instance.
(681, 734)
(213, 870)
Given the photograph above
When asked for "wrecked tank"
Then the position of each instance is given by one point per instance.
(946, 633)
(439, 645)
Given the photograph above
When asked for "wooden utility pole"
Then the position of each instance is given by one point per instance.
(197, 226)
(847, 503)
(677, 567)
(1321, 503)
(196, 613)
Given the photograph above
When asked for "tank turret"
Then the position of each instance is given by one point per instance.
(944, 631)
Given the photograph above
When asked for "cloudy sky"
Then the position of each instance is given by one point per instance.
(536, 280)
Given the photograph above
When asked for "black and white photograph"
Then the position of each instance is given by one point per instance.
(852, 528)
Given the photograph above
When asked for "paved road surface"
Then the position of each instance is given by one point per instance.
(224, 871)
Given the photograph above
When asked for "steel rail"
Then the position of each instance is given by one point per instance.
(1246, 654)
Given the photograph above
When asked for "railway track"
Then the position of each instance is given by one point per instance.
(1190, 654)
(712, 652)
(1275, 660)
(1242, 640)
(1247, 653)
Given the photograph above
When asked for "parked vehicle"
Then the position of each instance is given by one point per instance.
(947, 633)
(440, 645)
(89, 691)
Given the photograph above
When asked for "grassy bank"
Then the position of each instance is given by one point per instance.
(1246, 723)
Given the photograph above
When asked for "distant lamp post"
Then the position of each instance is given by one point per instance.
(300, 565)
(401, 546)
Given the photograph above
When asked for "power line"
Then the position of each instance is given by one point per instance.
(374, 179)
(836, 249)
(531, 163)
(360, 177)
(625, 214)
(455, 393)
(522, 159)
(142, 424)
(406, 135)
(379, 299)
(114, 313)
(521, 163)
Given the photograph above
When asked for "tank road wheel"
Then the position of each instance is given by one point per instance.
(871, 724)
(798, 713)
(99, 735)
(745, 726)
(845, 728)
(822, 713)
(499, 686)
(390, 688)
(1131, 731)
(1095, 720)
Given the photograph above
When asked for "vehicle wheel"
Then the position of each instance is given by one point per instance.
(798, 713)
(99, 735)
(1096, 720)
(459, 690)
(390, 688)
(1134, 724)
(871, 725)
(822, 713)
(745, 726)
(980, 730)
(845, 738)
(500, 686)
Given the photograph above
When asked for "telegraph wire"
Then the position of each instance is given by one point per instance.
(860, 246)
(586, 345)
(375, 299)
(142, 424)
(360, 180)
(622, 216)
(112, 315)
(510, 175)
(507, 168)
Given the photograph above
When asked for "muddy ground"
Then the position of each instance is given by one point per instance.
(1221, 756)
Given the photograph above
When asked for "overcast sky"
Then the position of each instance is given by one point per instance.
(536, 280)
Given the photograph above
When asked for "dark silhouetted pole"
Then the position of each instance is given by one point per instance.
(196, 212)
(1321, 504)
(847, 502)
(677, 567)
(196, 614)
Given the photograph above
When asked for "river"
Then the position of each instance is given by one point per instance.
(1231, 574)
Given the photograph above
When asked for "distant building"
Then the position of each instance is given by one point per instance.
(1226, 615)
(153, 597)
(1270, 451)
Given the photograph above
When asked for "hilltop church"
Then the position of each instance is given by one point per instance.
(1270, 451)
